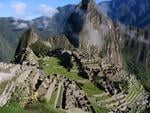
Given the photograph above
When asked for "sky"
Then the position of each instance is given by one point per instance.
(29, 9)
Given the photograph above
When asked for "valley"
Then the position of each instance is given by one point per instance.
(56, 82)
(91, 64)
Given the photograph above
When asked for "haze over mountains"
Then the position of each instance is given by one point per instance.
(91, 30)
(78, 60)
(128, 12)
(11, 28)
(72, 23)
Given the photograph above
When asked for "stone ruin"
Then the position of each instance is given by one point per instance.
(27, 56)
(34, 85)
(96, 68)
(69, 95)
(108, 77)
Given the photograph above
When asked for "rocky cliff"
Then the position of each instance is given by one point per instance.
(11, 29)
(30, 47)
(23, 50)
(134, 12)
(60, 42)
(99, 67)
(136, 52)
(93, 32)
(5, 50)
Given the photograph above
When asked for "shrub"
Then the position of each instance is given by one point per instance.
(39, 48)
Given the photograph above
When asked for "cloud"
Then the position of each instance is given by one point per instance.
(19, 8)
(104, 8)
(47, 11)
(132, 34)
(20, 26)
(45, 23)
(94, 36)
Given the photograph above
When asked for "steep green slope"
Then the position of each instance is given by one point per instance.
(6, 52)
(8, 38)
(136, 54)
(60, 41)
(134, 12)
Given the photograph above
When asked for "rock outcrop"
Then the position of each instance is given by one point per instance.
(129, 12)
(136, 52)
(60, 42)
(95, 33)
(31, 84)
(29, 37)
(98, 36)
(30, 46)
(95, 47)
(23, 51)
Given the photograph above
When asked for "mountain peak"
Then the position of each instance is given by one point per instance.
(128, 12)
(85, 3)
(28, 38)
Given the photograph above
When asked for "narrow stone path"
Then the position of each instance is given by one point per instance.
(50, 90)
(76, 110)
(23, 76)
(58, 94)
(101, 95)
(6, 95)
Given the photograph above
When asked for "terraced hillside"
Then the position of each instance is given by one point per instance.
(55, 77)
(52, 66)
(61, 89)
(101, 100)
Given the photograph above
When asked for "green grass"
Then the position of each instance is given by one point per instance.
(35, 108)
(2, 86)
(90, 89)
(102, 98)
(59, 98)
(104, 103)
(136, 67)
(53, 98)
(39, 48)
(134, 91)
(99, 109)
(42, 108)
(12, 108)
(51, 65)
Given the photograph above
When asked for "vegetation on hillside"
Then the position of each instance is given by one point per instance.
(53, 65)
(14, 107)
(137, 68)
(6, 52)
(39, 48)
